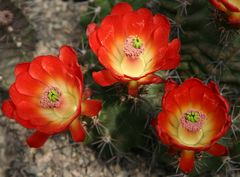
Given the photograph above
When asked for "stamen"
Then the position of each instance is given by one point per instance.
(193, 120)
(133, 47)
(51, 98)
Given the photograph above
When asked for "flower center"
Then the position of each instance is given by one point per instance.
(192, 116)
(51, 98)
(133, 47)
(192, 120)
(53, 95)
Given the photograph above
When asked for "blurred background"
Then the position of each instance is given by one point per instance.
(210, 51)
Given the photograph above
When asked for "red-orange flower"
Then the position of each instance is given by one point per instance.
(47, 97)
(194, 117)
(132, 45)
(231, 8)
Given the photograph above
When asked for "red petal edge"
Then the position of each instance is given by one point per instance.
(77, 131)
(104, 78)
(91, 107)
(230, 6)
(8, 108)
(20, 68)
(218, 150)
(218, 5)
(69, 57)
(37, 139)
(170, 85)
(121, 8)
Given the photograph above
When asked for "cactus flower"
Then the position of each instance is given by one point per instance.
(132, 45)
(231, 8)
(194, 117)
(47, 97)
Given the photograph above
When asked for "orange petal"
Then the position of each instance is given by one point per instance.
(77, 131)
(91, 107)
(213, 86)
(58, 71)
(20, 68)
(232, 5)
(109, 61)
(112, 41)
(160, 37)
(171, 58)
(8, 108)
(139, 23)
(104, 78)
(167, 125)
(196, 94)
(147, 19)
(186, 163)
(24, 123)
(216, 120)
(161, 21)
(31, 112)
(169, 103)
(94, 42)
(210, 101)
(219, 5)
(121, 8)
(117, 23)
(133, 26)
(170, 85)
(54, 67)
(37, 72)
(182, 97)
(17, 97)
(105, 35)
(26, 85)
(69, 58)
(218, 150)
(55, 126)
(37, 139)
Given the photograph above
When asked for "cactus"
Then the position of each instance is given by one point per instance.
(209, 50)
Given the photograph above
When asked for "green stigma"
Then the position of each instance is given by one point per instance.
(192, 116)
(53, 95)
(137, 43)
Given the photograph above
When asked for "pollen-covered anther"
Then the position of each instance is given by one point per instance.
(51, 98)
(192, 120)
(133, 47)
